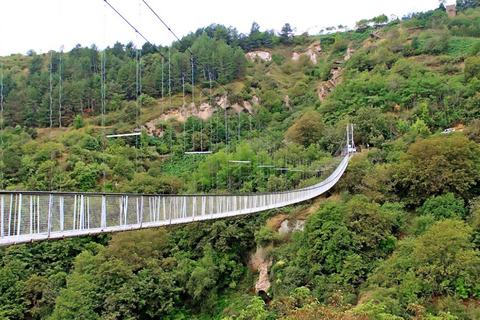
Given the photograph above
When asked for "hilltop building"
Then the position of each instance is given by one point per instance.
(451, 10)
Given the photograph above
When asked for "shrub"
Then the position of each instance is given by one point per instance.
(78, 122)
(444, 207)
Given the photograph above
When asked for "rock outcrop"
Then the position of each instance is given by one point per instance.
(310, 52)
(259, 262)
(264, 55)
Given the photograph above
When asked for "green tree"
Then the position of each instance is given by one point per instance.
(472, 131)
(362, 24)
(255, 310)
(371, 126)
(85, 175)
(12, 291)
(286, 33)
(254, 41)
(36, 64)
(472, 68)
(446, 261)
(381, 19)
(463, 5)
(307, 129)
(436, 166)
(444, 207)
(80, 298)
(78, 122)
(327, 241)
(372, 225)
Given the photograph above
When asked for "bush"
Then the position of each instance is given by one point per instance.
(147, 101)
(421, 224)
(265, 235)
(444, 207)
(78, 122)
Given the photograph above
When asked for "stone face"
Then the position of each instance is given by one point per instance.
(203, 111)
(264, 55)
(310, 52)
(286, 227)
(350, 51)
(259, 263)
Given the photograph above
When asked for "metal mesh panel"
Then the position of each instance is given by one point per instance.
(33, 216)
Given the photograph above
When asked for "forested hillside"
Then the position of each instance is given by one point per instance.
(398, 237)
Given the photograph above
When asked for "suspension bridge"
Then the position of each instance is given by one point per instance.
(28, 216)
(31, 216)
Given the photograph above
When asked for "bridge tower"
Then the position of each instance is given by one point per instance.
(350, 148)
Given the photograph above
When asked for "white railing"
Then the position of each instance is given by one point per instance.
(28, 216)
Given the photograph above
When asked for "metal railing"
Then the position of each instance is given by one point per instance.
(28, 216)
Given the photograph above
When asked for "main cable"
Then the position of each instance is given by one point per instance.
(51, 120)
(60, 115)
(1, 121)
(203, 66)
(188, 50)
(128, 22)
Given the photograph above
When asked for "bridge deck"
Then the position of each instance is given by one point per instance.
(28, 216)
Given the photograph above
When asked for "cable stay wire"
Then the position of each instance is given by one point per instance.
(198, 63)
(60, 114)
(103, 86)
(51, 120)
(174, 66)
(1, 122)
(186, 48)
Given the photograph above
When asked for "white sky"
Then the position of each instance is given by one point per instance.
(50, 24)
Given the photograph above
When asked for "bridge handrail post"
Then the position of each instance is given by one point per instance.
(75, 200)
(2, 214)
(141, 210)
(103, 218)
(194, 207)
(61, 204)
(82, 212)
(31, 213)
(50, 208)
(19, 221)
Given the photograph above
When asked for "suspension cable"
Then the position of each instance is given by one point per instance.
(188, 50)
(103, 79)
(51, 120)
(203, 66)
(184, 111)
(60, 52)
(1, 121)
(60, 114)
(170, 95)
(162, 107)
(138, 144)
(2, 176)
(170, 74)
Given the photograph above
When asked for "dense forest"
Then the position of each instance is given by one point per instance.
(397, 238)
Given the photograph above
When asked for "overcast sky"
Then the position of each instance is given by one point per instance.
(52, 24)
